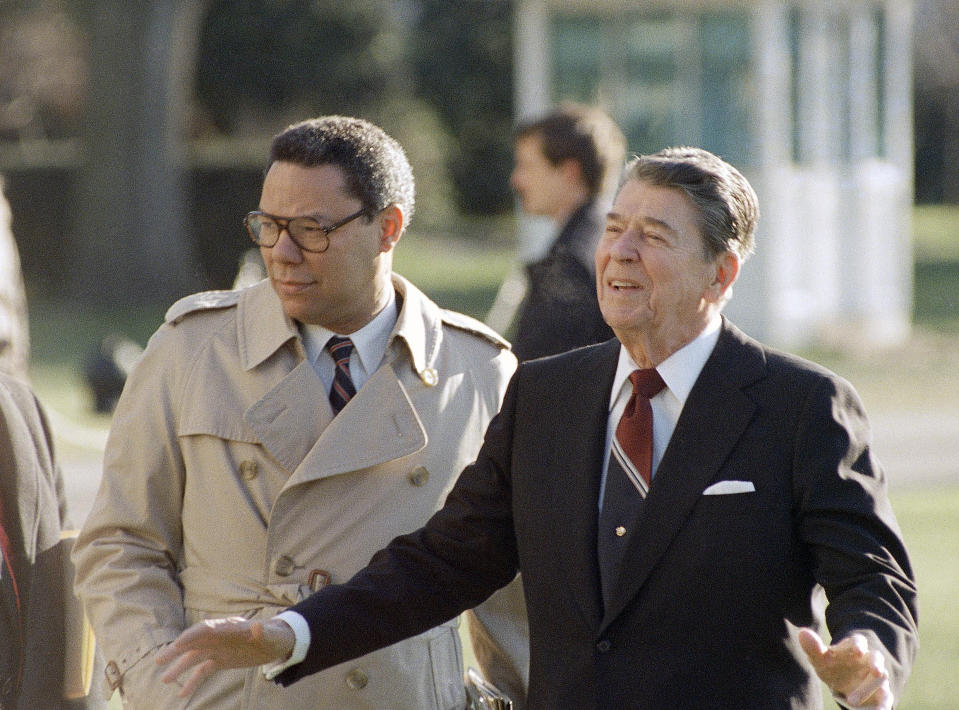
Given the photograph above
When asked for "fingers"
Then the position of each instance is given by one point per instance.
(873, 689)
(199, 674)
(873, 693)
(196, 648)
(812, 644)
(850, 669)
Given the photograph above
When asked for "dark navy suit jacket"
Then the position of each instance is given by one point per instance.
(714, 585)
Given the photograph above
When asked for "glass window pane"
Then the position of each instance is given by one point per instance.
(727, 86)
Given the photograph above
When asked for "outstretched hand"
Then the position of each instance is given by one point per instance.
(854, 673)
(217, 644)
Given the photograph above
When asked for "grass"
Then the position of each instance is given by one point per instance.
(919, 376)
(929, 519)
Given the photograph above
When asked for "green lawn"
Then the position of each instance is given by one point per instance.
(930, 524)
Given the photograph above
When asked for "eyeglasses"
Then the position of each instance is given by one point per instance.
(306, 232)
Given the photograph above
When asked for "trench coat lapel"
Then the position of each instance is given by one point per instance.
(378, 425)
(289, 419)
(714, 418)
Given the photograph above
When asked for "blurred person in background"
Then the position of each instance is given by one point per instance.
(565, 165)
(14, 329)
(36, 590)
(38, 671)
(272, 438)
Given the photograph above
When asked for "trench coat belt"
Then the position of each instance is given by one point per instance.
(225, 596)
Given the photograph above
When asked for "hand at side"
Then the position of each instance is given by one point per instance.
(855, 674)
(216, 644)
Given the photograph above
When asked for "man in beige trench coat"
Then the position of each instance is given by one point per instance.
(232, 487)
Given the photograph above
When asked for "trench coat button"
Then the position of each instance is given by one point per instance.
(284, 566)
(113, 675)
(419, 476)
(248, 469)
(430, 376)
(604, 646)
(356, 679)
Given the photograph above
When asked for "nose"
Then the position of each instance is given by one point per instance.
(285, 248)
(623, 247)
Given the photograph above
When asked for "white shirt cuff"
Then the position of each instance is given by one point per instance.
(301, 632)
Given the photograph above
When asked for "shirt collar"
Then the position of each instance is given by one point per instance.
(369, 342)
(264, 328)
(680, 370)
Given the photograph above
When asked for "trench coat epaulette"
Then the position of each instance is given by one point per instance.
(203, 301)
(471, 325)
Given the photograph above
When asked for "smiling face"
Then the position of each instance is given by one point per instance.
(656, 287)
(345, 286)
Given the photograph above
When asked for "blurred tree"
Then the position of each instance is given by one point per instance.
(265, 63)
(131, 241)
(462, 58)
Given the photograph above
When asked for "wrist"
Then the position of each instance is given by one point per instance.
(281, 638)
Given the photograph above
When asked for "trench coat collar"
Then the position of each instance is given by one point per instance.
(419, 328)
(383, 404)
(326, 445)
(262, 325)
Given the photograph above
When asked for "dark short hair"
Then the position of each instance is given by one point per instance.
(584, 134)
(374, 165)
(727, 205)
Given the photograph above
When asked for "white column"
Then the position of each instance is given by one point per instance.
(532, 83)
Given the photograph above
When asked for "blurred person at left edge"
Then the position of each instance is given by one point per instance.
(34, 599)
(256, 457)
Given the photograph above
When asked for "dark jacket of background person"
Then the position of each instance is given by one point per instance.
(560, 311)
(31, 636)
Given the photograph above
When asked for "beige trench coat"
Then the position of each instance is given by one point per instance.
(229, 488)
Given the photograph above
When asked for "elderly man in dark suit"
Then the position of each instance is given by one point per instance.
(683, 572)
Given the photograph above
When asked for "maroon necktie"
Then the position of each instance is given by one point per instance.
(342, 390)
(628, 474)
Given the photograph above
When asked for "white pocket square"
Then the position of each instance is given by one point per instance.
(723, 488)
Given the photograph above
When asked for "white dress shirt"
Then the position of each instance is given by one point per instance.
(369, 346)
(680, 372)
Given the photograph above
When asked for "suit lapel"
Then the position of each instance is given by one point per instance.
(713, 419)
(575, 496)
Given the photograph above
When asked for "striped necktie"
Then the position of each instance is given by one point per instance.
(342, 390)
(628, 475)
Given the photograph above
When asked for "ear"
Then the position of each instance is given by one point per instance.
(726, 271)
(391, 227)
(572, 171)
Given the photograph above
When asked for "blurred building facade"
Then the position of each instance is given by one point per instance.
(812, 99)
